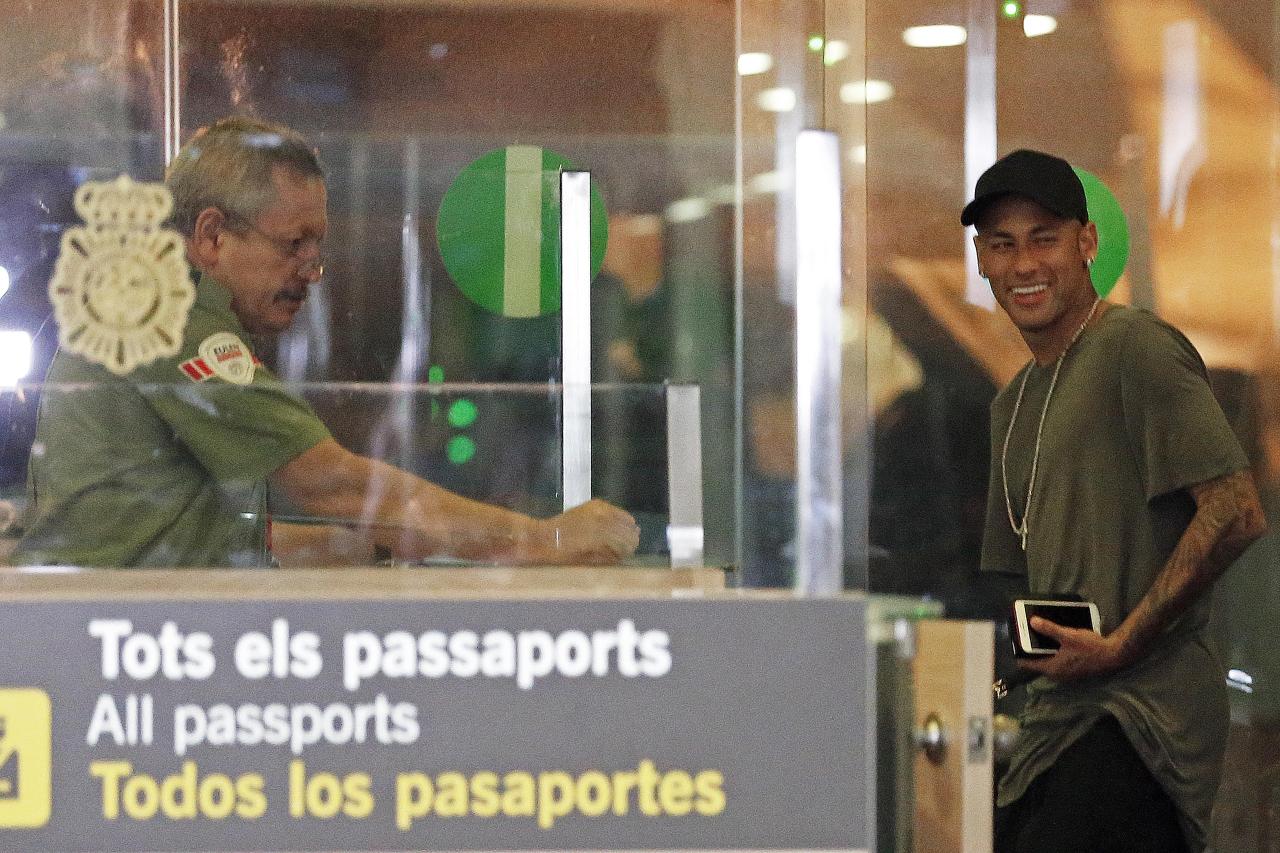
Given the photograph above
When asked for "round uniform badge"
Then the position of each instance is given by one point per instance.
(120, 290)
(228, 358)
(499, 230)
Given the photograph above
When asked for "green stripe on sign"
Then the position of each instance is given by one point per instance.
(522, 268)
(499, 231)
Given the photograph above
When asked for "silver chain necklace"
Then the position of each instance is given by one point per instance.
(1020, 529)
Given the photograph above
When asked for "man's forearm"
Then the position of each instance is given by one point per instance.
(1228, 519)
(404, 513)
(418, 519)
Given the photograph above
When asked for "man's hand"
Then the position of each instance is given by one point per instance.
(1082, 653)
(595, 533)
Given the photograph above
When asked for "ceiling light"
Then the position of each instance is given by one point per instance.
(766, 183)
(935, 35)
(15, 357)
(1039, 25)
(723, 194)
(866, 92)
(688, 210)
(834, 52)
(779, 99)
(754, 63)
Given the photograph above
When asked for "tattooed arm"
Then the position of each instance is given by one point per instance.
(1228, 519)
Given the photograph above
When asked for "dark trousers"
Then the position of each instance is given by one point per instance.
(1098, 797)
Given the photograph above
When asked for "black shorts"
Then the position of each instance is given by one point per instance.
(1098, 797)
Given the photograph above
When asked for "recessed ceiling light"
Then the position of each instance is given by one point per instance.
(935, 35)
(866, 92)
(1039, 25)
(834, 52)
(688, 209)
(766, 183)
(779, 99)
(754, 63)
(15, 357)
(723, 194)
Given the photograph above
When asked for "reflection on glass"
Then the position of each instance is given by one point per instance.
(1182, 147)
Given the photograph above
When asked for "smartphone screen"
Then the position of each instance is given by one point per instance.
(1068, 615)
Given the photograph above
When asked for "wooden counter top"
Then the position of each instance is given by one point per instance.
(355, 583)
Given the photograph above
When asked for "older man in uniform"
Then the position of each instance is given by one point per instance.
(1115, 477)
(170, 464)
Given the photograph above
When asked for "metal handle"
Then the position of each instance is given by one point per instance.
(684, 475)
(1004, 738)
(932, 738)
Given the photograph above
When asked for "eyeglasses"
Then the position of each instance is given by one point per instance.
(308, 252)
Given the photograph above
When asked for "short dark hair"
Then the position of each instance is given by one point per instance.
(229, 164)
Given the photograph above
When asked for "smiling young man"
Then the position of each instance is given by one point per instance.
(170, 464)
(1114, 477)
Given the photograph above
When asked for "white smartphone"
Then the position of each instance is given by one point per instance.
(1071, 614)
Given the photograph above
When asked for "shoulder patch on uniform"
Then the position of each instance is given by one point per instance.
(224, 355)
(196, 369)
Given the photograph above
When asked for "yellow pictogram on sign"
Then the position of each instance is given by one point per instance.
(26, 756)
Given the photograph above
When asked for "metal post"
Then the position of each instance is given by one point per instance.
(819, 515)
(575, 334)
(979, 126)
(684, 475)
(172, 82)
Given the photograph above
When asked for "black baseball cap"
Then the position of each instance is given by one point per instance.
(1047, 180)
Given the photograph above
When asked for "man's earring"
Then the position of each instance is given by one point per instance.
(1089, 263)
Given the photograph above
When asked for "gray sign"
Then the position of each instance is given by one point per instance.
(442, 725)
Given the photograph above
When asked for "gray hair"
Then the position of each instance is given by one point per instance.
(229, 164)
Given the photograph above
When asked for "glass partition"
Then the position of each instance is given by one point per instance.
(401, 99)
(687, 114)
(1173, 106)
(499, 444)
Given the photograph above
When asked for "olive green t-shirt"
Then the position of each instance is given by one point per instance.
(166, 466)
(1131, 424)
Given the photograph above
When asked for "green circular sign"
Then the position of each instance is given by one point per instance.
(462, 414)
(1113, 232)
(460, 450)
(499, 230)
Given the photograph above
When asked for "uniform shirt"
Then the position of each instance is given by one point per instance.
(1132, 423)
(166, 466)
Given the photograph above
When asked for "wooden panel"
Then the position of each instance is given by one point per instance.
(953, 798)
